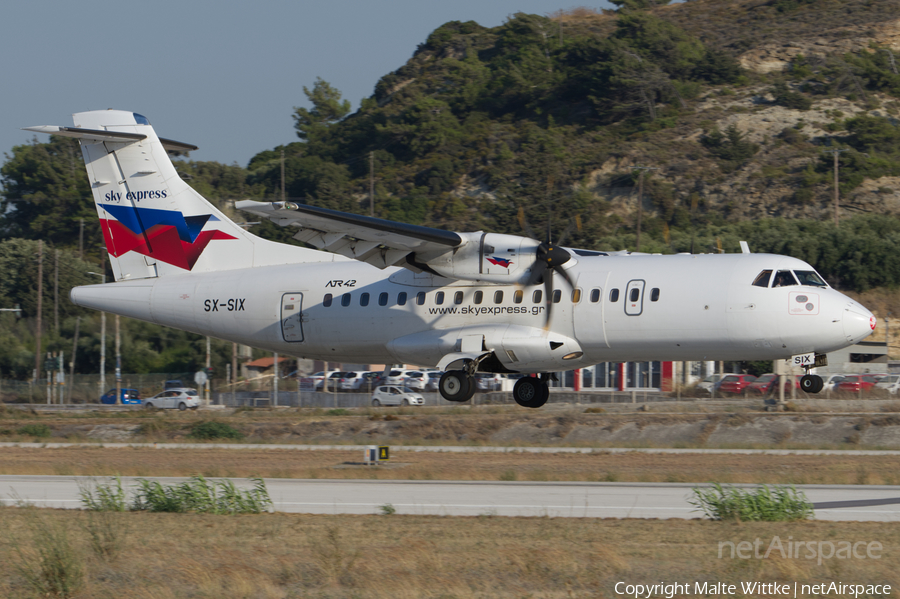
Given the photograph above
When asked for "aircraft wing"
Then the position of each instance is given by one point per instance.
(379, 242)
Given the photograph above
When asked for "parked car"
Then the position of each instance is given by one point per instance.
(889, 383)
(487, 381)
(710, 383)
(127, 396)
(735, 384)
(182, 399)
(416, 379)
(173, 384)
(365, 380)
(768, 383)
(854, 383)
(318, 378)
(830, 381)
(397, 376)
(434, 380)
(394, 395)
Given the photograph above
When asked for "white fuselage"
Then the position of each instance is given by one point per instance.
(706, 308)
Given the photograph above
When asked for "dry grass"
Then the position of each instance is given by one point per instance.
(279, 556)
(406, 465)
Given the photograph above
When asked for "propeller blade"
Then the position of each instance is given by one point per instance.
(575, 223)
(524, 224)
(538, 272)
(548, 292)
(565, 275)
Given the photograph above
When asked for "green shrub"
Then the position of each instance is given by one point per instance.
(50, 563)
(211, 429)
(103, 497)
(34, 430)
(763, 504)
(338, 412)
(200, 495)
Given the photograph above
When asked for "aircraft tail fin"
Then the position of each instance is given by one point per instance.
(154, 223)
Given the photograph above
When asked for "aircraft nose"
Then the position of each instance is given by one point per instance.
(859, 323)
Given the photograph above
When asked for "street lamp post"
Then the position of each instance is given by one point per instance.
(102, 343)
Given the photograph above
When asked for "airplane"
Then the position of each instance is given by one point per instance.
(381, 291)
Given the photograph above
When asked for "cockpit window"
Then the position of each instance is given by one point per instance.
(810, 277)
(140, 119)
(784, 278)
(762, 279)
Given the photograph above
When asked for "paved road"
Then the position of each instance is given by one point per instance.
(448, 498)
(465, 448)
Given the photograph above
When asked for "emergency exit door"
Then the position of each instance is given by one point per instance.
(292, 317)
(634, 297)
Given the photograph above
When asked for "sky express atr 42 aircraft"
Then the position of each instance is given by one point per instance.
(464, 302)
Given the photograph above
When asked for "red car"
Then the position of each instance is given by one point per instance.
(857, 382)
(768, 383)
(735, 384)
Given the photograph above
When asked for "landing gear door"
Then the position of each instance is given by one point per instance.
(634, 297)
(292, 317)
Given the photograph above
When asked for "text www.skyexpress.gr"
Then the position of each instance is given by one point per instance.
(487, 310)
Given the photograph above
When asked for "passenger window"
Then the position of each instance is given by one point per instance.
(439, 298)
(518, 295)
(784, 278)
(498, 297)
(420, 298)
(557, 295)
(364, 299)
(536, 296)
(401, 299)
(478, 297)
(635, 294)
(613, 295)
(345, 300)
(654, 294)
(458, 297)
(762, 279)
(383, 299)
(327, 300)
(576, 296)
(595, 295)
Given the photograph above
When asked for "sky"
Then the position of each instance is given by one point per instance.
(222, 75)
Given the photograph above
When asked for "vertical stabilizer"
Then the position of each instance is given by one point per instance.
(153, 223)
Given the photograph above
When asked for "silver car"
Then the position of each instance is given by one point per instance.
(182, 399)
(392, 395)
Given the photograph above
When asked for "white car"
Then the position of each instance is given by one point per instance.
(416, 379)
(830, 380)
(487, 381)
(890, 383)
(393, 395)
(182, 399)
(397, 376)
(318, 378)
(709, 383)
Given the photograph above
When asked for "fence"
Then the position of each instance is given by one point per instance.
(85, 388)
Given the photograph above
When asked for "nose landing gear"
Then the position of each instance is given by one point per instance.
(811, 383)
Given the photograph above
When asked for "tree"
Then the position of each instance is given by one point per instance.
(327, 109)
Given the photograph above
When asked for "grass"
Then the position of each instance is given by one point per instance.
(763, 504)
(511, 465)
(372, 557)
(195, 495)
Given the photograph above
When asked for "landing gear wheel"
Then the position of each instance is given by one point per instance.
(811, 383)
(456, 385)
(531, 392)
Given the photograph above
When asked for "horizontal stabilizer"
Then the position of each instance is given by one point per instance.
(103, 135)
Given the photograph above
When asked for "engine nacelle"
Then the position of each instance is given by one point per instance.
(489, 257)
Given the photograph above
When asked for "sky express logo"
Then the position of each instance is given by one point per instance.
(502, 262)
(136, 196)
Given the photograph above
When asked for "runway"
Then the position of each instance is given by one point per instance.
(478, 498)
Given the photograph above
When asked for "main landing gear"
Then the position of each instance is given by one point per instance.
(457, 385)
(532, 392)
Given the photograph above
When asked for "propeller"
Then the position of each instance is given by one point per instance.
(549, 259)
